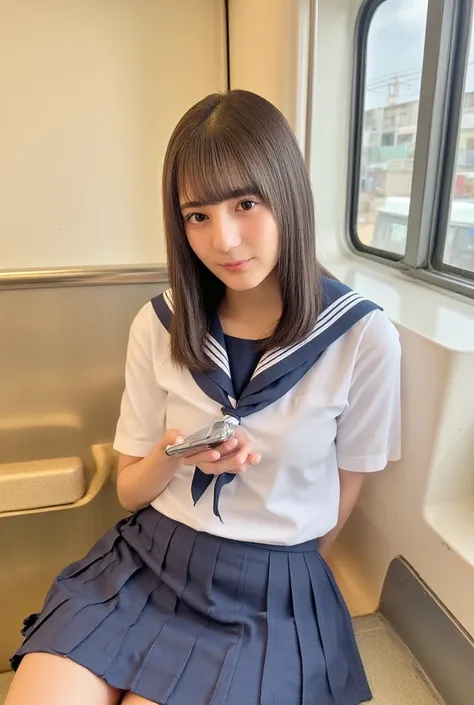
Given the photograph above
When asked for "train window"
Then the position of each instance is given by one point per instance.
(394, 54)
(458, 246)
(412, 175)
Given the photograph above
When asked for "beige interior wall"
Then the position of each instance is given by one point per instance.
(90, 91)
(269, 54)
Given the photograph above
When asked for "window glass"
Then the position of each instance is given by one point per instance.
(394, 59)
(459, 243)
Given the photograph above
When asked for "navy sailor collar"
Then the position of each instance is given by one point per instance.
(277, 371)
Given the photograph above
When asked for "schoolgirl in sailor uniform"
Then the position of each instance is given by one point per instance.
(215, 591)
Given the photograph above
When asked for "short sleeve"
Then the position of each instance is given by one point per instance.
(142, 412)
(368, 432)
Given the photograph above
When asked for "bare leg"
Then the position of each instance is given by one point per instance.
(45, 679)
(131, 699)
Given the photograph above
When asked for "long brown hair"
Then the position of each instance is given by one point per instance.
(231, 142)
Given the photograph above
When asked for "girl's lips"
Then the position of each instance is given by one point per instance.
(236, 266)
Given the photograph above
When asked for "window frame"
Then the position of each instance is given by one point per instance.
(444, 67)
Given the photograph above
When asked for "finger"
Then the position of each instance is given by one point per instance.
(241, 444)
(232, 463)
(205, 456)
(172, 436)
(227, 446)
(214, 469)
(238, 462)
(211, 455)
(241, 453)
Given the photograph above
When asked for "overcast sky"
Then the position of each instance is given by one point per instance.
(395, 48)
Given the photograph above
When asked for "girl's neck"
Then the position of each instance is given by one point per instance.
(253, 313)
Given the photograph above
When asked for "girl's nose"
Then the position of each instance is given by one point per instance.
(226, 234)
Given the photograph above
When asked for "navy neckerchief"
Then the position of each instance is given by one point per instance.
(278, 370)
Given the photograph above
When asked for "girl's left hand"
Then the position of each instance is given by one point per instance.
(234, 455)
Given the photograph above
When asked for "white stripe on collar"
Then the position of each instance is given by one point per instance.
(327, 318)
(168, 297)
(220, 351)
(217, 353)
(328, 312)
(330, 316)
(214, 349)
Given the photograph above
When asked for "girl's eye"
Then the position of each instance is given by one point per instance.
(247, 205)
(195, 218)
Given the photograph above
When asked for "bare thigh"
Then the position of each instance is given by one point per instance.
(45, 679)
(132, 699)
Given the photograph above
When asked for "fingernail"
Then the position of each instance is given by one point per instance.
(179, 439)
(258, 458)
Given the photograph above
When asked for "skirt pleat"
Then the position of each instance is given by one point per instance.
(313, 662)
(250, 656)
(281, 671)
(360, 686)
(107, 641)
(215, 648)
(181, 617)
(333, 618)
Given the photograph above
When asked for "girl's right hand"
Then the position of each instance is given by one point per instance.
(141, 480)
(234, 455)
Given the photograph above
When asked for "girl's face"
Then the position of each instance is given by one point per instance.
(236, 239)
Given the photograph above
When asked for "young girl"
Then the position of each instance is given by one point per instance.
(215, 590)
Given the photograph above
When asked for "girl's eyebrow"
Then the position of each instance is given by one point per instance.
(236, 193)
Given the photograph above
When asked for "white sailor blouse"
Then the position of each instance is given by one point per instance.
(331, 401)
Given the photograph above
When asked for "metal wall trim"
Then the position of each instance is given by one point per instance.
(83, 276)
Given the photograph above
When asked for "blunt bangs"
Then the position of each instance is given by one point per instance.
(214, 167)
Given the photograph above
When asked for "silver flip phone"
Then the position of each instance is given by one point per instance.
(206, 438)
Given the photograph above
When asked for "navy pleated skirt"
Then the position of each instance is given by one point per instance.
(181, 617)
